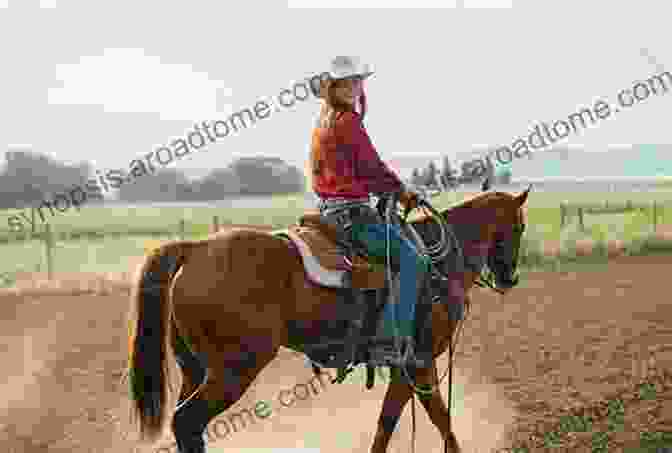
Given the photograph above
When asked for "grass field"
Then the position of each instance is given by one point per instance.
(101, 238)
(543, 211)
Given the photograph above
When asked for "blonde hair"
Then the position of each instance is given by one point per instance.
(329, 112)
(327, 117)
(331, 106)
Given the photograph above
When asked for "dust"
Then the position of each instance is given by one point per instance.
(343, 417)
(18, 385)
(63, 356)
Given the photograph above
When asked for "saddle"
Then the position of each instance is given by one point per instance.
(328, 262)
(325, 257)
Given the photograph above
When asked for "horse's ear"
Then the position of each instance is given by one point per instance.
(522, 198)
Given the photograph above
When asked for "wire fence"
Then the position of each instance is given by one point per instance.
(46, 246)
(654, 211)
(38, 252)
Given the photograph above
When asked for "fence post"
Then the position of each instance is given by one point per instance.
(655, 216)
(562, 215)
(49, 244)
(581, 218)
(662, 213)
(215, 224)
(182, 229)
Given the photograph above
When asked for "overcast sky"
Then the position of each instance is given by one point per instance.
(109, 81)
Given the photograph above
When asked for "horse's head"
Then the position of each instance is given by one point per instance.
(489, 229)
(505, 237)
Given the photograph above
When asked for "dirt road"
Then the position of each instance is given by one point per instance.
(557, 340)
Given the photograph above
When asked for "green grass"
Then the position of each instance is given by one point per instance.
(112, 253)
(101, 238)
(106, 254)
(282, 210)
(649, 441)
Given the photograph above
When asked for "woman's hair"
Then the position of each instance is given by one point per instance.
(331, 106)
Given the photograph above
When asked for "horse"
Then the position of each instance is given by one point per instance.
(224, 305)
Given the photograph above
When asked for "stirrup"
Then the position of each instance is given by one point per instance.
(399, 352)
(385, 351)
(413, 359)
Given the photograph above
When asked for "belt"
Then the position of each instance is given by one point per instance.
(333, 205)
(333, 202)
(341, 212)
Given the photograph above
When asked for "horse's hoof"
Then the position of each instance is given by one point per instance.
(453, 446)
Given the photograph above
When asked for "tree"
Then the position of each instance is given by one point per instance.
(490, 170)
(472, 171)
(218, 184)
(30, 177)
(267, 175)
(448, 174)
(416, 177)
(165, 185)
(430, 175)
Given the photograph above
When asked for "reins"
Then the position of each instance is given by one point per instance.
(437, 253)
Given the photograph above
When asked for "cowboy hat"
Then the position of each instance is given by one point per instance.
(344, 67)
(348, 67)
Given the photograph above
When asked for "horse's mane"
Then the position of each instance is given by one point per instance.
(459, 210)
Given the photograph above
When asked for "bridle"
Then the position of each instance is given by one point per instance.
(437, 252)
(487, 278)
(449, 242)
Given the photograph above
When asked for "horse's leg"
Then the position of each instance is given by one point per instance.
(230, 373)
(189, 423)
(436, 407)
(191, 419)
(446, 322)
(228, 302)
(397, 395)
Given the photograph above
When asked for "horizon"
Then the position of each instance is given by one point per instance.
(406, 170)
(111, 98)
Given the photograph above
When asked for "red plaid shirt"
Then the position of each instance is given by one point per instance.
(345, 164)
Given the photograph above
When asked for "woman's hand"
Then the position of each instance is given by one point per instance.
(409, 200)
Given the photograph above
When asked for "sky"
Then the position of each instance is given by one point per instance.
(107, 82)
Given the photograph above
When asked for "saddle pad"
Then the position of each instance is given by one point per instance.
(325, 264)
(316, 222)
(321, 260)
(327, 253)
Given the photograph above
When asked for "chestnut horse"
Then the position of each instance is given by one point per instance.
(223, 306)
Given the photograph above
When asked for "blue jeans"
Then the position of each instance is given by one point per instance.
(412, 267)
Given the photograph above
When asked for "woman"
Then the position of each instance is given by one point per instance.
(346, 169)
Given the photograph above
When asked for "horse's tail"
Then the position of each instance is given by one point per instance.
(148, 344)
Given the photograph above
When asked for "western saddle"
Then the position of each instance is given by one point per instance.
(326, 264)
(324, 256)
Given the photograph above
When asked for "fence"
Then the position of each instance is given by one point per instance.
(51, 239)
(655, 210)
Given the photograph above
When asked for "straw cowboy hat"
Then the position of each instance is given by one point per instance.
(345, 68)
